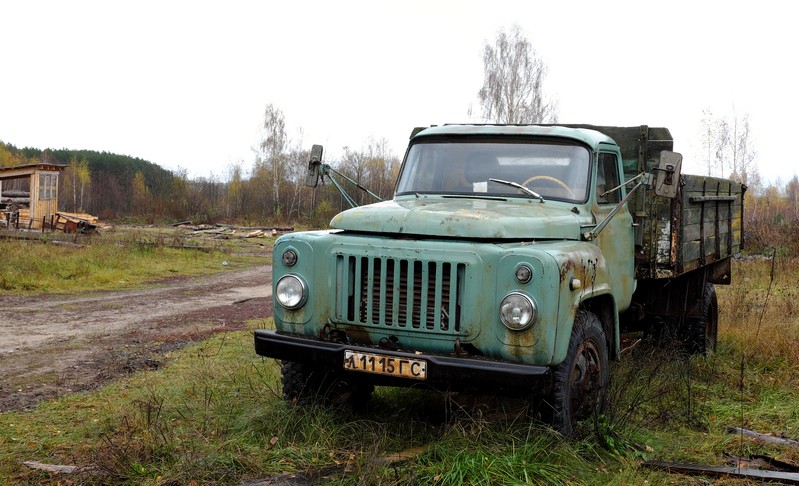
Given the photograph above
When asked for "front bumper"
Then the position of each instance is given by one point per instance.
(475, 375)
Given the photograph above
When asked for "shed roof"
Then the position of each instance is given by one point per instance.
(28, 169)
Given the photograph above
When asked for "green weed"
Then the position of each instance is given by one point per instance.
(40, 266)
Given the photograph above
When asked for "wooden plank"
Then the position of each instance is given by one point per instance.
(710, 245)
(80, 217)
(691, 232)
(723, 471)
(690, 251)
(724, 242)
(764, 437)
(86, 216)
(710, 215)
(709, 199)
(698, 183)
(691, 215)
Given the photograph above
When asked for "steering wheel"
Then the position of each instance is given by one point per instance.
(551, 179)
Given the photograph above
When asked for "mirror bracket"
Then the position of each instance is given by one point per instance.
(667, 174)
(312, 178)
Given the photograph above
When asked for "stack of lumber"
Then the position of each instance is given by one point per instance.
(14, 196)
(226, 231)
(69, 221)
(80, 216)
(22, 222)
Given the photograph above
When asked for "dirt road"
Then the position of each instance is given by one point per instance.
(53, 345)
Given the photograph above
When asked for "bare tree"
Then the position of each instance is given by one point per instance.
(743, 159)
(722, 144)
(710, 139)
(512, 89)
(294, 179)
(792, 195)
(235, 192)
(83, 178)
(272, 152)
(729, 146)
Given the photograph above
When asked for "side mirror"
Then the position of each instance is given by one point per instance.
(312, 178)
(667, 180)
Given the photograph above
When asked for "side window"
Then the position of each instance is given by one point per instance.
(607, 177)
(48, 184)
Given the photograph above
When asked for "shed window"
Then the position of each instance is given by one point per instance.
(48, 184)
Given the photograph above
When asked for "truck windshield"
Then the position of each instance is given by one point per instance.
(555, 171)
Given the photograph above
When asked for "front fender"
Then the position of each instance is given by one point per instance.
(584, 275)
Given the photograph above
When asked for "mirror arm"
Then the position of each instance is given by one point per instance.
(353, 182)
(325, 170)
(642, 174)
(591, 235)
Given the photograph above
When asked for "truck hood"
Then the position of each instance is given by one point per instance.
(463, 217)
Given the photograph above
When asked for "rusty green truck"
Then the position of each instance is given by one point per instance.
(510, 260)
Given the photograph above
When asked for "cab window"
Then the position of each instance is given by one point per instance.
(607, 178)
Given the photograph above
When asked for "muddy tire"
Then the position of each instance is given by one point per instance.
(701, 332)
(300, 381)
(580, 382)
(303, 383)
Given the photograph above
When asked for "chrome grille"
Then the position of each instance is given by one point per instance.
(402, 293)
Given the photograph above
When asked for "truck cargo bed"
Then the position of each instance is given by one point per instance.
(702, 225)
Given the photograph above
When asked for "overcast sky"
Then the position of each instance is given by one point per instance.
(185, 84)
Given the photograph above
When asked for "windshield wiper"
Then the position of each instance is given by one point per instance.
(519, 187)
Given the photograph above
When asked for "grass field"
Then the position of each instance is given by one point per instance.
(124, 258)
(213, 415)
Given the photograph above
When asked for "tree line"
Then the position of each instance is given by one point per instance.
(271, 192)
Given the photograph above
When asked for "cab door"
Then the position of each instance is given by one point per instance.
(616, 241)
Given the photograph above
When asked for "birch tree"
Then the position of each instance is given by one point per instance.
(513, 81)
(139, 194)
(83, 179)
(729, 146)
(273, 150)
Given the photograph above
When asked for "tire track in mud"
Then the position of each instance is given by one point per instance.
(51, 345)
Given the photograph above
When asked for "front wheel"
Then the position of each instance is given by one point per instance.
(580, 381)
(303, 382)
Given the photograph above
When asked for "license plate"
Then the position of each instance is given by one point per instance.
(385, 365)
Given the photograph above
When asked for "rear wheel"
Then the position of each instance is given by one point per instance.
(579, 383)
(303, 382)
(701, 333)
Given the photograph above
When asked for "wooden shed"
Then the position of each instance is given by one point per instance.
(42, 200)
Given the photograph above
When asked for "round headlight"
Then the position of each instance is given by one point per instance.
(517, 311)
(524, 273)
(290, 292)
(289, 258)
